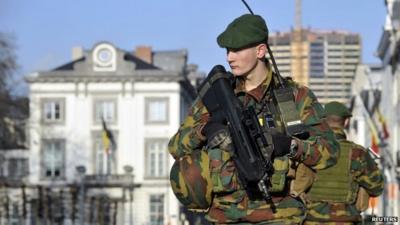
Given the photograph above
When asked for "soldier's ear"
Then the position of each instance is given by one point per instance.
(261, 51)
(346, 123)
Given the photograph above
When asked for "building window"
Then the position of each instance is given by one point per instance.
(2, 160)
(156, 209)
(53, 110)
(15, 214)
(156, 110)
(53, 158)
(104, 156)
(17, 168)
(156, 158)
(106, 109)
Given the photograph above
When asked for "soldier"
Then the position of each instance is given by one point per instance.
(341, 192)
(204, 176)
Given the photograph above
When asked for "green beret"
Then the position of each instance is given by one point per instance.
(337, 109)
(244, 31)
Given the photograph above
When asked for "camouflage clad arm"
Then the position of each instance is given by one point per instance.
(188, 136)
(321, 149)
(366, 172)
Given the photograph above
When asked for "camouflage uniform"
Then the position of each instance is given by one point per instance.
(365, 174)
(207, 179)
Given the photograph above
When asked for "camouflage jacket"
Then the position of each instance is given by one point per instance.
(365, 173)
(232, 205)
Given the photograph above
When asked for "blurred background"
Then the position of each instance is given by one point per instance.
(91, 92)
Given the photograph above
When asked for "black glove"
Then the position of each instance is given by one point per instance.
(216, 122)
(216, 129)
(281, 143)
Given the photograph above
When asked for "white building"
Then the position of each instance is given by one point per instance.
(384, 81)
(367, 82)
(142, 96)
(389, 52)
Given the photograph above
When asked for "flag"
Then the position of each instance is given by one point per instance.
(373, 204)
(374, 135)
(385, 132)
(376, 94)
(374, 143)
(107, 138)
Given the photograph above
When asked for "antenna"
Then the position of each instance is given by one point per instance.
(248, 7)
(280, 79)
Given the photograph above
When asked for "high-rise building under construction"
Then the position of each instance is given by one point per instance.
(325, 61)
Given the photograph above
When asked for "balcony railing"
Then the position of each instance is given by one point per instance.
(112, 180)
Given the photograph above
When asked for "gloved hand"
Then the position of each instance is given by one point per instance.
(281, 144)
(216, 122)
(216, 130)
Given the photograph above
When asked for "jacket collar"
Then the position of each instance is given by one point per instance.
(258, 92)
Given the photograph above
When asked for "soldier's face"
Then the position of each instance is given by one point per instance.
(242, 61)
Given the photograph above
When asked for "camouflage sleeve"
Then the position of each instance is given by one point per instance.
(321, 149)
(188, 136)
(366, 171)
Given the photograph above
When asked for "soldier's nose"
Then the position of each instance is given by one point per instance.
(230, 57)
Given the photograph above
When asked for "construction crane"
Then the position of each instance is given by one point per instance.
(298, 49)
(297, 21)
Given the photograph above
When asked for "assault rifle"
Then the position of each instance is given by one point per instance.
(252, 153)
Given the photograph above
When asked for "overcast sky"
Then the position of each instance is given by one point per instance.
(46, 30)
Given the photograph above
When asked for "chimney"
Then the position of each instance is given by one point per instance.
(144, 53)
(77, 53)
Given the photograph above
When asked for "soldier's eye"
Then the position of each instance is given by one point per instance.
(231, 50)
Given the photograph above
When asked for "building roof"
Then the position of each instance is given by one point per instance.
(126, 66)
(140, 64)
(69, 65)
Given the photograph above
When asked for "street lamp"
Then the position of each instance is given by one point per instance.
(129, 171)
(81, 172)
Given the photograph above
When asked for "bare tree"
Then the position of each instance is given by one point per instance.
(13, 110)
(8, 64)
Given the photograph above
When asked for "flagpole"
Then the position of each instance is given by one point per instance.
(108, 162)
(386, 161)
(109, 145)
(373, 129)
